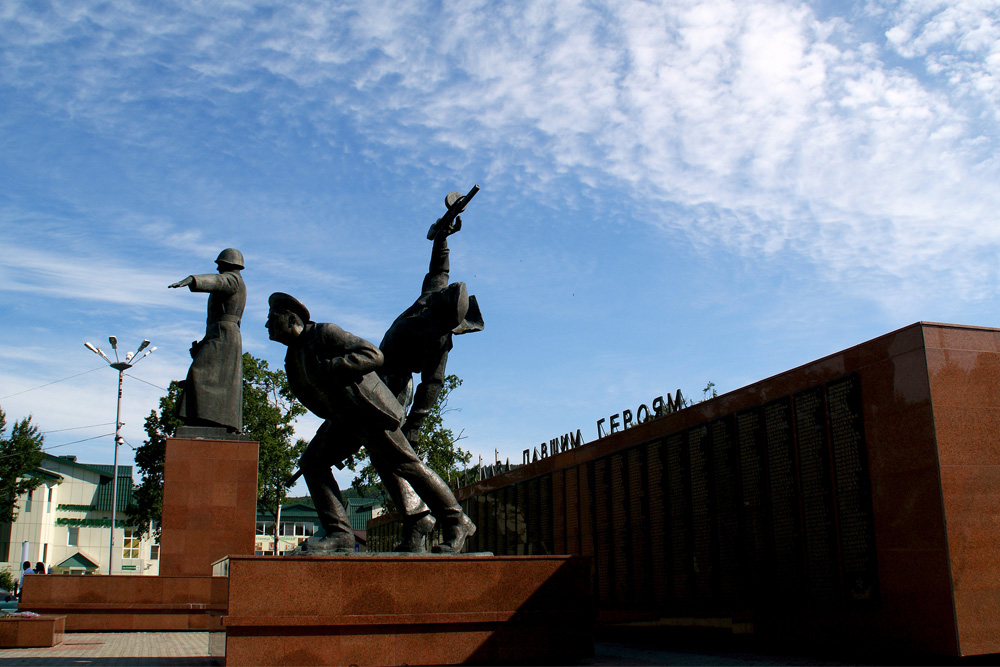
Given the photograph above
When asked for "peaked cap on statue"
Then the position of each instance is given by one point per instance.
(280, 301)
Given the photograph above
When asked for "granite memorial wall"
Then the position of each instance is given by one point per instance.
(853, 499)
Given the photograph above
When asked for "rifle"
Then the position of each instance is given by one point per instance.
(455, 204)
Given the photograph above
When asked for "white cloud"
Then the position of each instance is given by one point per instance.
(758, 125)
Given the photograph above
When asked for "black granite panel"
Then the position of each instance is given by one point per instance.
(546, 543)
(640, 591)
(659, 561)
(785, 573)
(816, 496)
(619, 524)
(681, 547)
(602, 532)
(753, 505)
(854, 507)
(725, 494)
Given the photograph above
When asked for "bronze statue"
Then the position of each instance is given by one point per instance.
(333, 373)
(418, 341)
(213, 390)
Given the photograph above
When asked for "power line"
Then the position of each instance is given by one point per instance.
(76, 428)
(149, 383)
(53, 382)
(65, 444)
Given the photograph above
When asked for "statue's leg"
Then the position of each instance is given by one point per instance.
(316, 471)
(417, 520)
(392, 453)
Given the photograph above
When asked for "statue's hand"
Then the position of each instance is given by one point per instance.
(183, 283)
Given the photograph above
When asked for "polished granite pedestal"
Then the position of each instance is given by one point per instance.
(385, 609)
(103, 603)
(209, 512)
(209, 503)
(40, 631)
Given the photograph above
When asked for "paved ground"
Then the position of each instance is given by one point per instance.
(118, 649)
(191, 648)
(149, 649)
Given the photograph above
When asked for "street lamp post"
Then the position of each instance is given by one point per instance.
(131, 359)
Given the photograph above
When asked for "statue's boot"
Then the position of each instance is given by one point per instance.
(320, 545)
(416, 531)
(455, 529)
(330, 509)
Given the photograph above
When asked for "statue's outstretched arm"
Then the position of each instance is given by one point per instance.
(224, 283)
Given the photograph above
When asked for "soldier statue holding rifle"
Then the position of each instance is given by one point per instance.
(361, 392)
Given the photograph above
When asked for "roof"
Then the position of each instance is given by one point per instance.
(102, 497)
(79, 560)
(103, 470)
(359, 511)
(45, 474)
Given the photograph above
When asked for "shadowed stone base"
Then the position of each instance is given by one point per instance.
(104, 603)
(417, 610)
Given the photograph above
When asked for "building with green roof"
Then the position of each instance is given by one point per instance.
(66, 522)
(299, 522)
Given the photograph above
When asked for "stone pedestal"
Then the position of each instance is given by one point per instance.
(121, 603)
(37, 632)
(209, 503)
(376, 609)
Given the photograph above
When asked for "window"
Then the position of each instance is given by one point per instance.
(48, 502)
(154, 552)
(73, 537)
(130, 544)
(290, 529)
(45, 553)
(27, 502)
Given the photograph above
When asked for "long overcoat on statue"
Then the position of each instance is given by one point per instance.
(213, 390)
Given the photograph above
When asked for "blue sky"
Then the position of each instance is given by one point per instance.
(672, 192)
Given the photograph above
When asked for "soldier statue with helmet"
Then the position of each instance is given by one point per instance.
(213, 390)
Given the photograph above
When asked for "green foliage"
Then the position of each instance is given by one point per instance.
(436, 446)
(20, 455)
(7, 579)
(268, 412)
(269, 408)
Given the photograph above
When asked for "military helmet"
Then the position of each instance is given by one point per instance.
(231, 256)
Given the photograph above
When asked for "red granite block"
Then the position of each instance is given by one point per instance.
(209, 504)
(104, 603)
(40, 631)
(371, 610)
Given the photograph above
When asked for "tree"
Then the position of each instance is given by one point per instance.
(147, 498)
(268, 412)
(436, 445)
(20, 455)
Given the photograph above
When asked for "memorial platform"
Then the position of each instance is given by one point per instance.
(104, 603)
(209, 512)
(380, 609)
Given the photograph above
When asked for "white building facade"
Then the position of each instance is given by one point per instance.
(66, 523)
